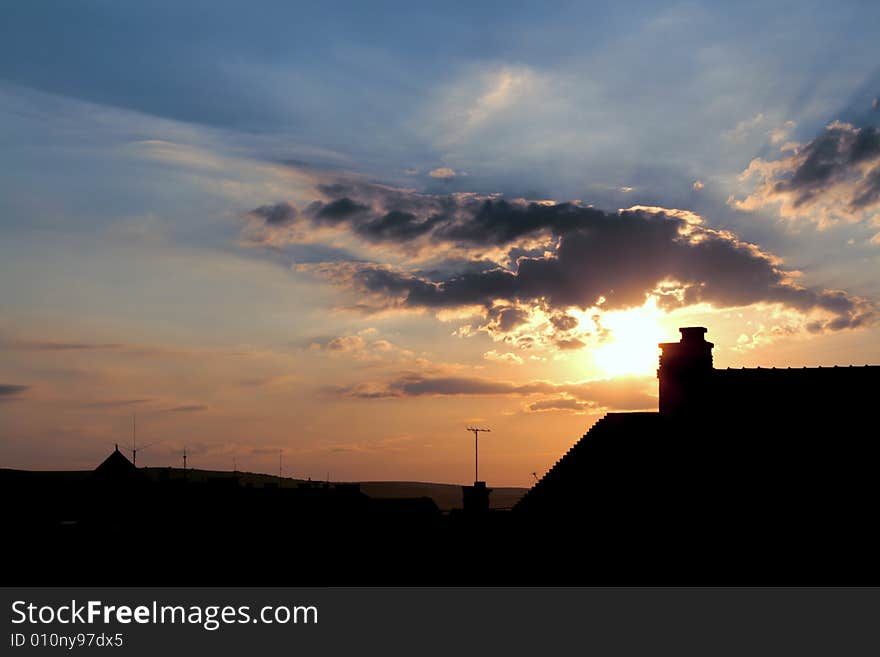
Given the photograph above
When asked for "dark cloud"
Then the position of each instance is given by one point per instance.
(337, 211)
(868, 193)
(520, 254)
(830, 159)
(384, 214)
(840, 168)
(626, 393)
(278, 214)
(11, 390)
(504, 319)
(614, 260)
(563, 322)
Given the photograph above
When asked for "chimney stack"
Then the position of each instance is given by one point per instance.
(684, 373)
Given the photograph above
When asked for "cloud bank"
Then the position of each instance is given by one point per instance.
(507, 257)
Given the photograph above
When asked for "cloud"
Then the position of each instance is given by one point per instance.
(508, 357)
(569, 344)
(10, 391)
(405, 220)
(835, 176)
(744, 128)
(346, 343)
(491, 253)
(780, 134)
(16, 344)
(558, 404)
(443, 173)
(625, 393)
(187, 408)
(114, 403)
(622, 393)
(277, 214)
(757, 125)
(365, 351)
(53, 345)
(595, 260)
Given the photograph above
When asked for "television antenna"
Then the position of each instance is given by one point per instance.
(477, 432)
(134, 449)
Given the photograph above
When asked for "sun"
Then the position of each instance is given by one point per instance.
(632, 346)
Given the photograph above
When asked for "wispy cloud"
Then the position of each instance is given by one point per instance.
(10, 391)
(114, 403)
(53, 345)
(187, 408)
(625, 393)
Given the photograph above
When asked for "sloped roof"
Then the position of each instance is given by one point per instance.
(610, 450)
(116, 468)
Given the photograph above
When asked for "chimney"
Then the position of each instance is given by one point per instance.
(684, 373)
(475, 499)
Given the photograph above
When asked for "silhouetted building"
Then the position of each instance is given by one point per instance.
(115, 478)
(116, 469)
(749, 463)
(691, 388)
(475, 499)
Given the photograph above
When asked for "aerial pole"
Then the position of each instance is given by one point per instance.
(476, 432)
(134, 447)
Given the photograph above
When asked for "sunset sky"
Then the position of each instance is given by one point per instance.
(349, 230)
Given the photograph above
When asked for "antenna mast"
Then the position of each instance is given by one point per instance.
(134, 447)
(134, 452)
(477, 450)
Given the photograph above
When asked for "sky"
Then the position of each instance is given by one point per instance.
(344, 232)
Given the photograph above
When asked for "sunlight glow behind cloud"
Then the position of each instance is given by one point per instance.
(631, 347)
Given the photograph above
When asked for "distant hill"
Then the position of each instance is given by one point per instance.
(447, 496)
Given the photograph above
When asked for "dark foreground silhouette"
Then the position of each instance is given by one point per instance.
(755, 476)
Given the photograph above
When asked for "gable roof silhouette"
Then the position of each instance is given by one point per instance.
(116, 469)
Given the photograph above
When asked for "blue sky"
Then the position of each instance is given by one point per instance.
(138, 140)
